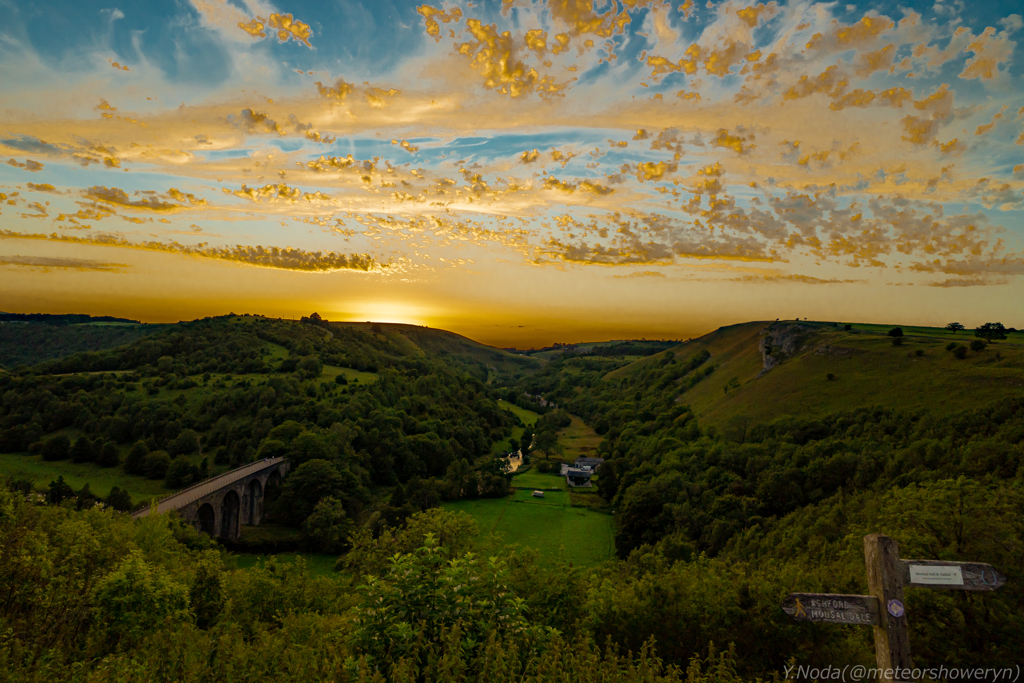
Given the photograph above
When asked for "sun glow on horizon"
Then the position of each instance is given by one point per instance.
(387, 312)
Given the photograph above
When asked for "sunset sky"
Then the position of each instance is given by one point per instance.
(520, 172)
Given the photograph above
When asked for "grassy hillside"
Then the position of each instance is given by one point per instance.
(867, 369)
(480, 359)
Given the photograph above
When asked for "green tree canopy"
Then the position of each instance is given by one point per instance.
(311, 482)
(134, 598)
(990, 331)
(57, 448)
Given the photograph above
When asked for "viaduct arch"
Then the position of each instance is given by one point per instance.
(221, 505)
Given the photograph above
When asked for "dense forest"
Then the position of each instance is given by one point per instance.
(32, 338)
(714, 522)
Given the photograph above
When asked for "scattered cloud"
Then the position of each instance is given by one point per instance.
(286, 258)
(47, 262)
(28, 165)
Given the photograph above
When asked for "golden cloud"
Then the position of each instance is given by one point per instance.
(118, 197)
(854, 98)
(29, 165)
(431, 15)
(254, 28)
(751, 15)
(802, 279)
(252, 121)
(316, 137)
(981, 130)
(734, 142)
(47, 262)
(831, 81)
(273, 193)
(288, 27)
(378, 98)
(844, 37)
(41, 187)
(939, 103)
(493, 56)
(953, 145)
(287, 258)
(406, 145)
(720, 62)
(896, 96)
(552, 183)
(529, 156)
(346, 163)
(339, 91)
(581, 17)
(640, 274)
(879, 60)
(989, 51)
(649, 170)
(180, 196)
(562, 157)
(537, 40)
(687, 64)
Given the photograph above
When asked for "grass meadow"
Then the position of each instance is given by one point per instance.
(528, 417)
(550, 525)
(536, 480)
(77, 475)
(578, 440)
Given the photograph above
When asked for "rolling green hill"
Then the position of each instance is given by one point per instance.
(28, 343)
(480, 359)
(867, 369)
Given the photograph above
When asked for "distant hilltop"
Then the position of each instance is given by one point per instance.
(62, 319)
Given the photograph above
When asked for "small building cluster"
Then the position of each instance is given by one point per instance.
(580, 472)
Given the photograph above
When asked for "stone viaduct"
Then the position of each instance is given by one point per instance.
(221, 505)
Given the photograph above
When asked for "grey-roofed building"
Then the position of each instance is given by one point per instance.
(577, 476)
(592, 463)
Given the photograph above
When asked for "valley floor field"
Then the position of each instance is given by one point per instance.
(550, 525)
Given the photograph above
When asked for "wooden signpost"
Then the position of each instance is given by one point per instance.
(883, 609)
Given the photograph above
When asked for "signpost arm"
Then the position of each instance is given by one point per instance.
(885, 582)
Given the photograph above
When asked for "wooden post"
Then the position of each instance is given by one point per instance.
(885, 582)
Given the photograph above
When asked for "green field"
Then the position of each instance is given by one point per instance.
(578, 440)
(536, 480)
(332, 371)
(528, 417)
(557, 531)
(77, 475)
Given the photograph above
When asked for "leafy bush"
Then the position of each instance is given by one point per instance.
(180, 473)
(57, 448)
(134, 462)
(186, 443)
(155, 464)
(110, 456)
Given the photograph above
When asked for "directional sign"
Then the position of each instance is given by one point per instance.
(964, 576)
(831, 607)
